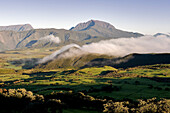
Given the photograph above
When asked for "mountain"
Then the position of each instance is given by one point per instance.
(31, 38)
(102, 29)
(88, 25)
(162, 34)
(17, 28)
(24, 36)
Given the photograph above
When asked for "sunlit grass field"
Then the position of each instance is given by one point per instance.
(131, 83)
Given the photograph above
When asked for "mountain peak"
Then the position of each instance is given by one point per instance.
(21, 27)
(97, 28)
(89, 24)
(162, 34)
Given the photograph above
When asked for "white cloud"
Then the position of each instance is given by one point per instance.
(51, 38)
(58, 52)
(117, 47)
(124, 46)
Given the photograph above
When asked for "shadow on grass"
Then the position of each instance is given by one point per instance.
(40, 73)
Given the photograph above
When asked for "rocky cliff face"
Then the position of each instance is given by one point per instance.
(17, 28)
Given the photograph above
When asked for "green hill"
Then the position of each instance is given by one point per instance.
(96, 60)
(131, 60)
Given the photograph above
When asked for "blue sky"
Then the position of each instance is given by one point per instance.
(144, 16)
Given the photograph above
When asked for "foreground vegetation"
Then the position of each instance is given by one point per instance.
(63, 102)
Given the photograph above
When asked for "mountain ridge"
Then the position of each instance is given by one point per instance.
(88, 24)
(162, 34)
(102, 29)
(14, 37)
(17, 28)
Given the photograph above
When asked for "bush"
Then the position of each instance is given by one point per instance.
(116, 107)
(153, 106)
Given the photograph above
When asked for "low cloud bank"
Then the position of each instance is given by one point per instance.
(51, 38)
(58, 52)
(124, 46)
(116, 47)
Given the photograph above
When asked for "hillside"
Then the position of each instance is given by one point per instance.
(131, 60)
(18, 28)
(96, 60)
(31, 38)
(72, 62)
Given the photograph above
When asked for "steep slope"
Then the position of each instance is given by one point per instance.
(11, 35)
(17, 28)
(65, 36)
(31, 38)
(9, 39)
(102, 29)
(131, 60)
(97, 60)
(2, 46)
(70, 62)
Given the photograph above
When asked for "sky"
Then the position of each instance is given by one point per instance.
(143, 16)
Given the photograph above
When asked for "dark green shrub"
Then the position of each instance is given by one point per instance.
(116, 107)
